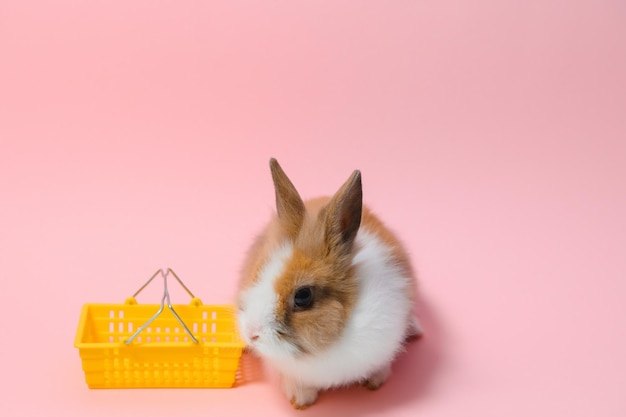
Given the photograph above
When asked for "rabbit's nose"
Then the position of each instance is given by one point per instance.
(254, 332)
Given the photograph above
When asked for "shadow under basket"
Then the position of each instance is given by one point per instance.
(182, 346)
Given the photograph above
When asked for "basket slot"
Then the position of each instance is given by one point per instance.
(113, 329)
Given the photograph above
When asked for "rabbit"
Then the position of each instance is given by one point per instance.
(326, 294)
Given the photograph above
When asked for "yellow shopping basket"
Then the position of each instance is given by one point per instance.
(135, 346)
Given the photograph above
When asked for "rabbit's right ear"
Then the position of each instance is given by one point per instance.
(289, 204)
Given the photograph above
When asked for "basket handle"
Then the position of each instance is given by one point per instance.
(166, 296)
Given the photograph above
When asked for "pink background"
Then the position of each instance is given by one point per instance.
(135, 135)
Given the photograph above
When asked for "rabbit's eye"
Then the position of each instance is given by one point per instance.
(303, 298)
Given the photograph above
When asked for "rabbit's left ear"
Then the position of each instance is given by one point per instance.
(343, 214)
(289, 204)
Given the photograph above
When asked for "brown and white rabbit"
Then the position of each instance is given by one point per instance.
(327, 292)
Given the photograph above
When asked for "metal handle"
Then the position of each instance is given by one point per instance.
(166, 296)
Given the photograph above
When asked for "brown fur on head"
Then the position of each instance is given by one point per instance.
(322, 233)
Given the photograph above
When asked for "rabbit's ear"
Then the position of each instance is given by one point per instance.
(289, 204)
(343, 214)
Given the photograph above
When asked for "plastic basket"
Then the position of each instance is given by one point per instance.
(144, 346)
